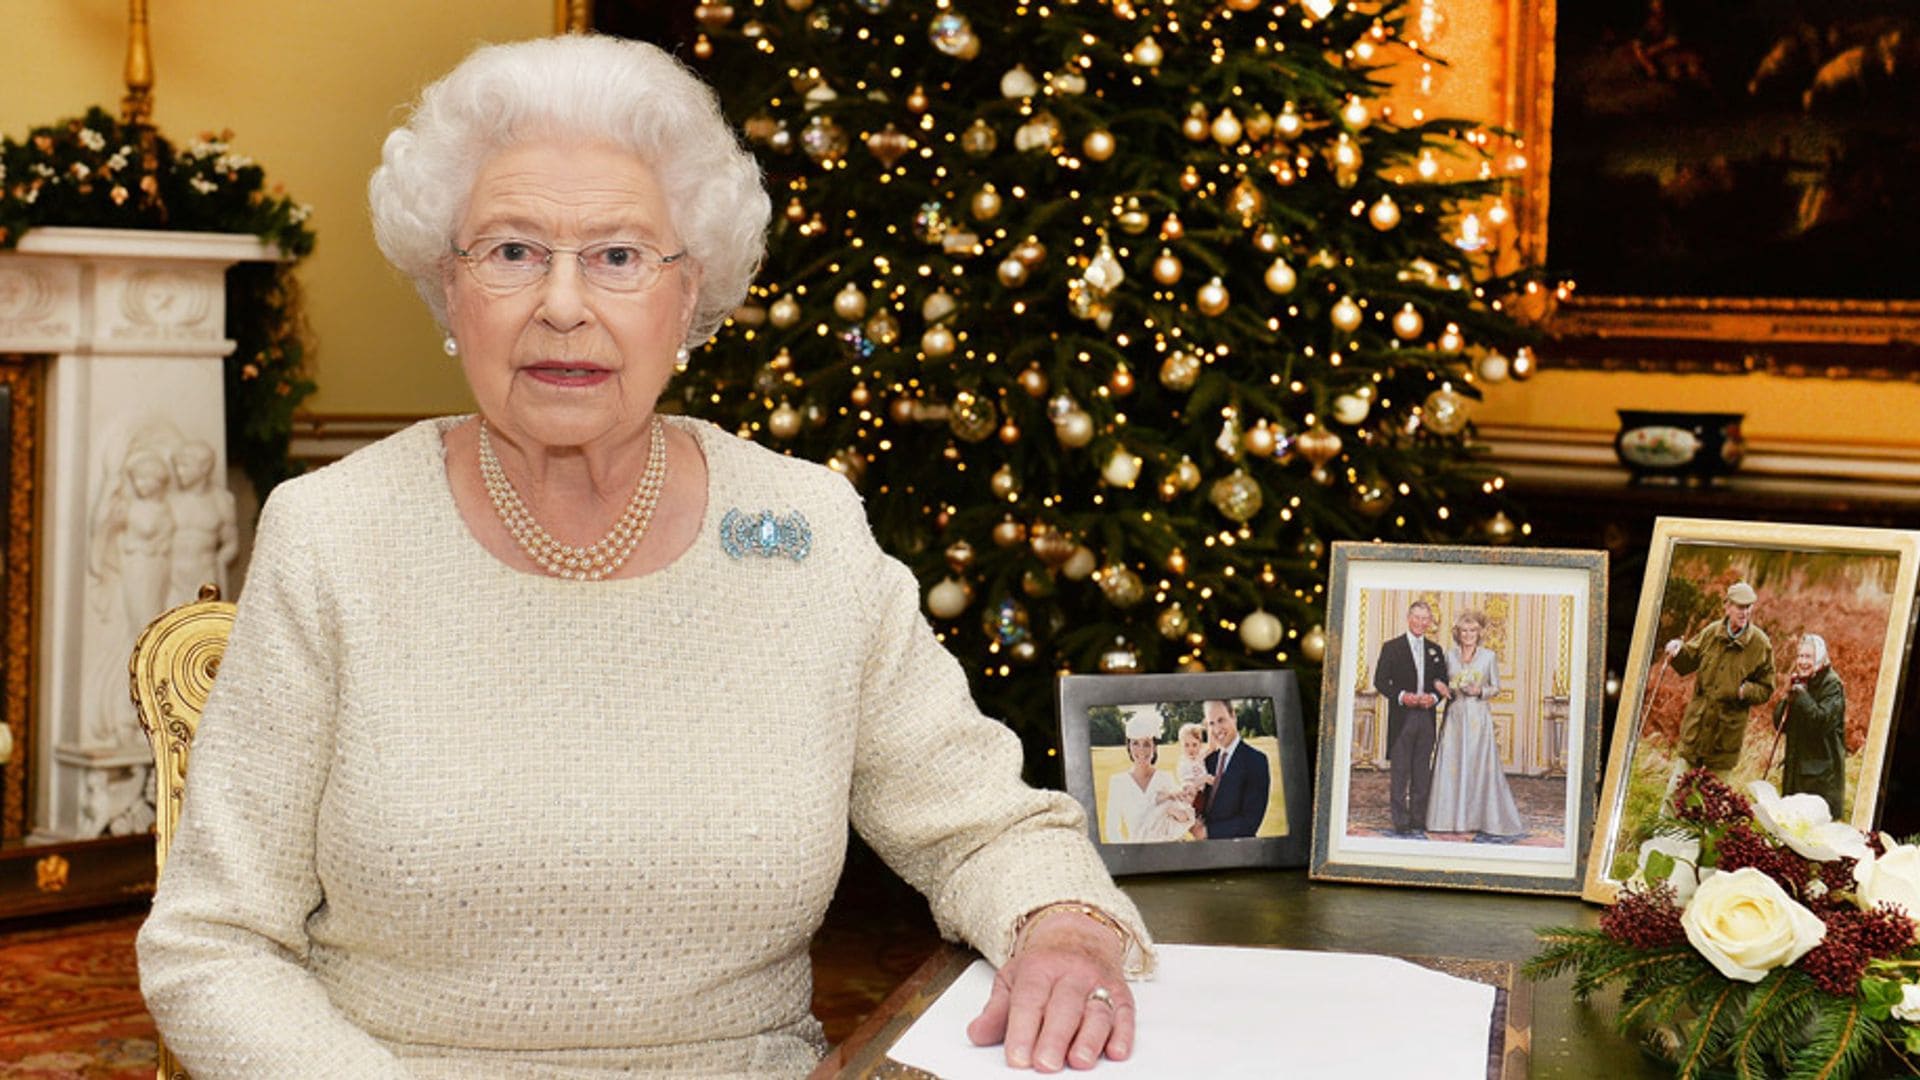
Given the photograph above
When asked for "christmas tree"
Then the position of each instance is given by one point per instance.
(1117, 312)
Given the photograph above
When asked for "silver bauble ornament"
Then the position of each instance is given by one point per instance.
(948, 598)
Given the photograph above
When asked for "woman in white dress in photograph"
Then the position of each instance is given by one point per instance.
(1470, 792)
(1145, 804)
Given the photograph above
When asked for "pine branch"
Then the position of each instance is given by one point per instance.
(1776, 1013)
(1711, 1031)
(1843, 1042)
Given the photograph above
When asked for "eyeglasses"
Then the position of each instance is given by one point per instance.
(508, 264)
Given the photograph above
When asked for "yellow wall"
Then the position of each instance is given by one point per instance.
(309, 89)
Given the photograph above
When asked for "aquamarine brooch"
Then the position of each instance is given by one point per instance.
(764, 534)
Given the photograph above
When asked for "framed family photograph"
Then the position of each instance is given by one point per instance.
(1188, 772)
(1460, 716)
(1760, 651)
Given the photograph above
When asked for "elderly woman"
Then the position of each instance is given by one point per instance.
(1813, 717)
(438, 823)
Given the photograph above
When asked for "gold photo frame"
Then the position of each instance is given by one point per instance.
(1853, 587)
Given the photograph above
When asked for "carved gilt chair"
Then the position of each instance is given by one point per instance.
(169, 675)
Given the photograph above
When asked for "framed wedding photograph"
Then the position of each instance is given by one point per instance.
(1760, 651)
(1197, 771)
(1460, 716)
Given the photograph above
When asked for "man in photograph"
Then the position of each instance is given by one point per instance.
(1241, 780)
(1731, 661)
(1412, 675)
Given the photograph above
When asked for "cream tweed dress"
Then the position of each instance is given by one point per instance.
(447, 819)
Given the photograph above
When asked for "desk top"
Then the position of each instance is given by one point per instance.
(1282, 908)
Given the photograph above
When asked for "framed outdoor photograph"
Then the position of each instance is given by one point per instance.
(1188, 772)
(1760, 651)
(1460, 716)
(1722, 181)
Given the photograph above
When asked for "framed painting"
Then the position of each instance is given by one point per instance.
(1725, 184)
(1760, 651)
(1188, 772)
(1460, 716)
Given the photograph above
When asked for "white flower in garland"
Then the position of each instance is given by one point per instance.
(1746, 925)
(1803, 823)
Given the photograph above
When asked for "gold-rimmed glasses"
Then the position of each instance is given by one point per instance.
(511, 263)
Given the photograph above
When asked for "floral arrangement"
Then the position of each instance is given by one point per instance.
(95, 171)
(1759, 937)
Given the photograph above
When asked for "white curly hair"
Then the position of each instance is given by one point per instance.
(577, 86)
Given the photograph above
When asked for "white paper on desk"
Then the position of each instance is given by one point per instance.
(1214, 1012)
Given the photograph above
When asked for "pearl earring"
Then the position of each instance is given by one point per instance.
(680, 357)
(450, 346)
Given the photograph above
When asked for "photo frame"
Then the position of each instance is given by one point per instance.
(1854, 588)
(1491, 783)
(1138, 832)
(1710, 177)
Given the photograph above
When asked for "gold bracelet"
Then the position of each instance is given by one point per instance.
(1032, 918)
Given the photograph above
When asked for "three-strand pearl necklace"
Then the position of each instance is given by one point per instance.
(564, 560)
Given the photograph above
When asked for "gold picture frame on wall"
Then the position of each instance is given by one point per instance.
(1463, 752)
(1723, 200)
(20, 382)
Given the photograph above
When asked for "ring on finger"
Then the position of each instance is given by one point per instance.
(1102, 995)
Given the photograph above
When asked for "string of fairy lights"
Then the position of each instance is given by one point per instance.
(1119, 310)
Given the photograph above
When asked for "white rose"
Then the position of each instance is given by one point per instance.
(1685, 853)
(1746, 925)
(1893, 878)
(1803, 823)
(1909, 1007)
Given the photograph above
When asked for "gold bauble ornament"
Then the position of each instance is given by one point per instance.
(1226, 129)
(1259, 124)
(1289, 123)
(1035, 583)
(1523, 364)
(1266, 241)
(1445, 412)
(1346, 315)
(1024, 651)
(889, 145)
(1074, 429)
(1099, 145)
(902, 410)
(1371, 496)
(917, 101)
(1355, 112)
(1080, 564)
(1185, 475)
(1146, 53)
(703, 47)
(1004, 483)
(1133, 219)
(1501, 529)
(986, 203)
(1194, 126)
(948, 598)
(1031, 252)
(1494, 367)
(1172, 622)
(1011, 272)
(784, 421)
(1167, 268)
(1384, 213)
(1407, 323)
(1121, 659)
(1212, 299)
(973, 416)
(938, 306)
(713, 16)
(1451, 341)
(784, 312)
(849, 463)
(1245, 201)
(1280, 278)
(1176, 561)
(1009, 433)
(959, 555)
(850, 303)
(1260, 440)
(1121, 469)
(1351, 408)
(824, 140)
(1313, 645)
(1033, 381)
(1171, 228)
(1121, 586)
(1051, 547)
(979, 139)
(1121, 381)
(796, 210)
(1317, 445)
(1179, 370)
(1190, 179)
(1018, 83)
(1260, 631)
(860, 395)
(938, 342)
(1009, 532)
(1237, 496)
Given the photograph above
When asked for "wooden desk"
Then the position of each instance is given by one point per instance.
(1284, 909)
